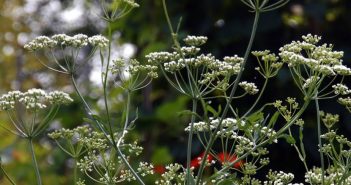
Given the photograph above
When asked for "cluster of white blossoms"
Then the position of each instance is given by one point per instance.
(134, 68)
(131, 3)
(63, 40)
(341, 89)
(214, 70)
(195, 40)
(333, 175)
(270, 133)
(227, 124)
(243, 145)
(173, 175)
(278, 178)
(8, 101)
(345, 102)
(310, 82)
(320, 59)
(249, 88)
(144, 169)
(33, 99)
(98, 41)
(269, 64)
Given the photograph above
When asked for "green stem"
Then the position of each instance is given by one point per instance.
(105, 80)
(75, 171)
(87, 107)
(121, 138)
(190, 140)
(213, 136)
(319, 138)
(7, 175)
(35, 163)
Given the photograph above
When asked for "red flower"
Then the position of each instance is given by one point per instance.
(197, 161)
(227, 158)
(160, 169)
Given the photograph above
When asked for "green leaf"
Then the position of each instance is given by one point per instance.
(255, 117)
(273, 119)
(212, 110)
(289, 139)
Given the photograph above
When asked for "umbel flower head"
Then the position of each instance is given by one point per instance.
(61, 47)
(207, 72)
(25, 109)
(33, 99)
(62, 40)
(312, 63)
(320, 59)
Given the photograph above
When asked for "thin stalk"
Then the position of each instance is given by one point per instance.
(213, 136)
(35, 163)
(190, 140)
(319, 138)
(121, 138)
(7, 175)
(300, 154)
(75, 171)
(105, 80)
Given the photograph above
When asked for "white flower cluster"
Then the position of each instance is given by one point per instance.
(279, 178)
(59, 97)
(227, 124)
(268, 63)
(341, 89)
(158, 58)
(63, 40)
(332, 175)
(244, 144)
(33, 99)
(98, 41)
(195, 40)
(145, 169)
(131, 3)
(40, 43)
(345, 102)
(77, 41)
(310, 82)
(250, 88)
(86, 163)
(173, 175)
(134, 68)
(270, 133)
(76, 134)
(214, 69)
(8, 101)
(320, 59)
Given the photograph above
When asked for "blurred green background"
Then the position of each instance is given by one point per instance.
(226, 23)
